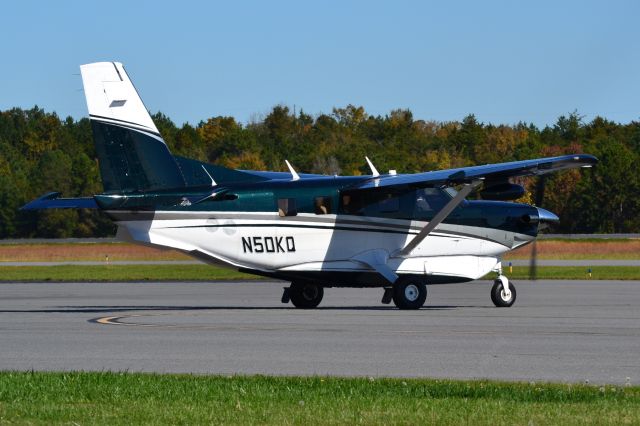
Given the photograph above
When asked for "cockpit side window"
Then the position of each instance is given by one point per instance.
(371, 203)
(389, 204)
(429, 201)
(419, 204)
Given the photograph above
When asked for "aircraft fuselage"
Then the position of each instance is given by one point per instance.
(317, 230)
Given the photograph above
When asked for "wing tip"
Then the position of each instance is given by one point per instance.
(584, 160)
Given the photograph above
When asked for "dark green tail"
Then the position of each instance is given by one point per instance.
(132, 160)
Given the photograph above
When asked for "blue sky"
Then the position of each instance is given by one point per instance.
(504, 61)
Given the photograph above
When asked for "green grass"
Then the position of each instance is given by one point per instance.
(573, 256)
(120, 273)
(128, 398)
(576, 273)
(111, 273)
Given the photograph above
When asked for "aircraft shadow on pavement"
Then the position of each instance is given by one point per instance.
(134, 308)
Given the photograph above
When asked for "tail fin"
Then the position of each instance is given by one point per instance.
(132, 155)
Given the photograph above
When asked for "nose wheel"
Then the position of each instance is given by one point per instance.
(503, 292)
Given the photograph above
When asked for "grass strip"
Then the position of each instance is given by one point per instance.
(107, 273)
(133, 398)
(113, 273)
(575, 273)
(558, 249)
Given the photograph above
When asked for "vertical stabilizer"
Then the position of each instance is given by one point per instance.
(111, 95)
(133, 156)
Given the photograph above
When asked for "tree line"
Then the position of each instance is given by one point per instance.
(40, 152)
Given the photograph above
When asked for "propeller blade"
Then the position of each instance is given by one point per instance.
(533, 265)
(540, 186)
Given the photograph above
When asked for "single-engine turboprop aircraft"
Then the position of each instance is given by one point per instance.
(400, 232)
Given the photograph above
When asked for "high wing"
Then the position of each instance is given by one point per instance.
(470, 178)
(499, 172)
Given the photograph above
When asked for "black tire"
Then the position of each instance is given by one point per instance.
(305, 296)
(497, 295)
(409, 293)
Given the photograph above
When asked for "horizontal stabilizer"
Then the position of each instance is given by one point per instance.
(51, 201)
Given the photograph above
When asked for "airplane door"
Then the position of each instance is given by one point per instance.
(255, 231)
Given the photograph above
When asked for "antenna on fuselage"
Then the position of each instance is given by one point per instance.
(213, 182)
(294, 174)
(374, 171)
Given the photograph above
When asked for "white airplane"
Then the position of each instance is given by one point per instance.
(399, 232)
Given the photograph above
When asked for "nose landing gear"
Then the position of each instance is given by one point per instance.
(503, 292)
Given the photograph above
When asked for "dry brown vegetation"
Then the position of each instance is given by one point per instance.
(84, 252)
(589, 249)
(547, 249)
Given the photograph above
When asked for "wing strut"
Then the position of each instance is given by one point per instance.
(442, 215)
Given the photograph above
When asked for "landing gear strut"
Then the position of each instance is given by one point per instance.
(503, 292)
(304, 295)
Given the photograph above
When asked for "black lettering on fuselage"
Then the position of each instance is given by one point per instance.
(268, 244)
(291, 244)
(257, 242)
(246, 245)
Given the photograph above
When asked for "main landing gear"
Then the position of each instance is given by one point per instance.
(503, 292)
(406, 293)
(303, 295)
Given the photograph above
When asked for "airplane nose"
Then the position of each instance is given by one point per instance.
(547, 216)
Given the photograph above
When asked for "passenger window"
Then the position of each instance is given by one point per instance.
(287, 207)
(377, 203)
(322, 205)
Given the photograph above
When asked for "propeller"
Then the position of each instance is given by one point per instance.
(533, 265)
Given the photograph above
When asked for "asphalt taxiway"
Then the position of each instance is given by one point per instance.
(561, 331)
